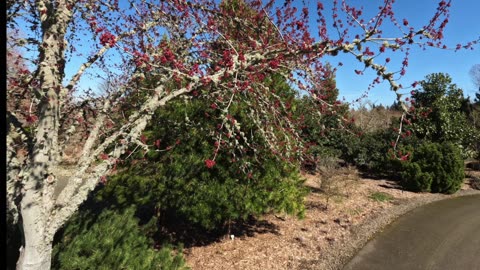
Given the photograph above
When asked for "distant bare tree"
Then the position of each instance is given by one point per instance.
(475, 74)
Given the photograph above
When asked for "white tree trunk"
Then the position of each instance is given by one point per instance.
(37, 203)
(36, 251)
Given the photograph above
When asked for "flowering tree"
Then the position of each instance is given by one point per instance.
(184, 45)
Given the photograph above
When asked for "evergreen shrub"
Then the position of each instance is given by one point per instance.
(370, 151)
(439, 115)
(174, 180)
(184, 188)
(110, 240)
(434, 167)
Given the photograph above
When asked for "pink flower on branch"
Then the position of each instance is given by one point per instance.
(209, 163)
(107, 38)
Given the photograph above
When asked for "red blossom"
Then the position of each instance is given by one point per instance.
(274, 64)
(241, 57)
(24, 71)
(368, 52)
(32, 119)
(167, 56)
(210, 163)
(141, 59)
(107, 38)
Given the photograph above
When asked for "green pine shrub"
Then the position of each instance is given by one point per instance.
(209, 165)
(434, 167)
(181, 185)
(110, 240)
(173, 179)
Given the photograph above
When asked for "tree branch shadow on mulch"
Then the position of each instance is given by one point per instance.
(172, 229)
(190, 235)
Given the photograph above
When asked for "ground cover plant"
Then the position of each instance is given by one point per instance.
(380, 197)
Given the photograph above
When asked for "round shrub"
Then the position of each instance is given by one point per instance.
(434, 167)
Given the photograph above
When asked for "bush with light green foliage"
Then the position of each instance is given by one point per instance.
(111, 240)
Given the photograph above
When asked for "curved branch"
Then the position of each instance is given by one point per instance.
(83, 182)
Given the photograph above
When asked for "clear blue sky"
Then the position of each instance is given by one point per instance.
(464, 26)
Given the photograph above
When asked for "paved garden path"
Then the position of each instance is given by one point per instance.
(440, 235)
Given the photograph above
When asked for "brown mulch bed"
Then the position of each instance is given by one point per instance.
(335, 227)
